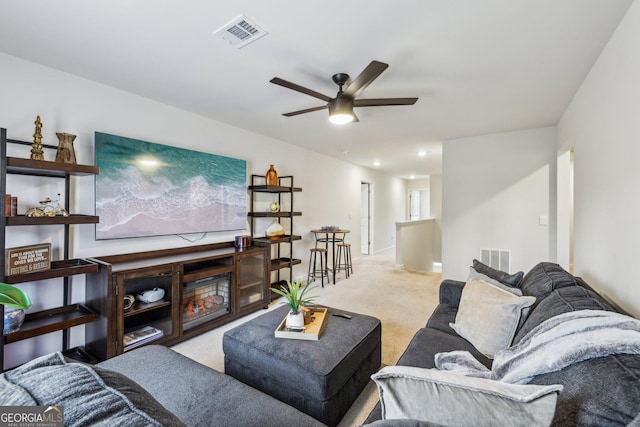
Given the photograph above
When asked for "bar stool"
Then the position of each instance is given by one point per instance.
(313, 270)
(344, 250)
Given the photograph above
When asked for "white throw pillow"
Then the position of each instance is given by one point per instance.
(447, 398)
(488, 316)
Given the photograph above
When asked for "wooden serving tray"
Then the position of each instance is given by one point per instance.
(311, 332)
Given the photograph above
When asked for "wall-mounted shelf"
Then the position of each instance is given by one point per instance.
(22, 166)
(52, 220)
(275, 240)
(283, 262)
(55, 319)
(64, 268)
(273, 214)
(273, 188)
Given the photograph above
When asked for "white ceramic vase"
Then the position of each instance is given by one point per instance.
(275, 230)
(295, 320)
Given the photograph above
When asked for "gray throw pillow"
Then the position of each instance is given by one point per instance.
(501, 276)
(473, 274)
(443, 397)
(489, 316)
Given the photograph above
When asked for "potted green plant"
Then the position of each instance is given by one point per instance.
(15, 302)
(296, 298)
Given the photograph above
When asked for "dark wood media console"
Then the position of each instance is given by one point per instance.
(204, 287)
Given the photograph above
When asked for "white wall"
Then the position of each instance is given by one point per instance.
(495, 188)
(435, 193)
(565, 210)
(66, 103)
(603, 124)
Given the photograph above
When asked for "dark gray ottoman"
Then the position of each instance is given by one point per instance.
(320, 378)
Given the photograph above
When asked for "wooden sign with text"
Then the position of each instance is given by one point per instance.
(27, 259)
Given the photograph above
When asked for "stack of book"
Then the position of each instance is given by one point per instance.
(140, 337)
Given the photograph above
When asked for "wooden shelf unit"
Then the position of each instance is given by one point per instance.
(69, 315)
(280, 261)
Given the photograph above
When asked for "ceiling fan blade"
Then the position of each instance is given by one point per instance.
(369, 74)
(383, 101)
(308, 110)
(301, 89)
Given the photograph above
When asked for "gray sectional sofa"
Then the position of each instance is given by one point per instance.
(156, 386)
(600, 391)
(148, 386)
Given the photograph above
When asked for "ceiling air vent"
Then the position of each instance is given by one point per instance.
(240, 32)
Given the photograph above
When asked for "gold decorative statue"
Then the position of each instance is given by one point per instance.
(36, 147)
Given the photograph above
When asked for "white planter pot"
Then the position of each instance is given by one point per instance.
(295, 320)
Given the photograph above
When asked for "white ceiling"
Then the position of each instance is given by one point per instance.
(477, 66)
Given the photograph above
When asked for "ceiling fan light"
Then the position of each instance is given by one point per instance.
(340, 118)
(341, 111)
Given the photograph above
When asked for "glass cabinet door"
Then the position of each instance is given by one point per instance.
(250, 278)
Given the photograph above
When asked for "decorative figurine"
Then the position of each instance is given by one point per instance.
(50, 208)
(36, 147)
(66, 153)
(271, 177)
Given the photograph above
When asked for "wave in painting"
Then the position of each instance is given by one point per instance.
(177, 198)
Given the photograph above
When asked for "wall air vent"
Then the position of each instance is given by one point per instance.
(240, 32)
(496, 258)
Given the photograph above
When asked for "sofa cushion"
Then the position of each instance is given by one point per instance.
(428, 342)
(597, 392)
(473, 274)
(89, 395)
(562, 300)
(545, 277)
(436, 396)
(201, 396)
(442, 318)
(488, 316)
(502, 276)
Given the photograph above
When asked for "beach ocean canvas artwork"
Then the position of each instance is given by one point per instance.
(148, 189)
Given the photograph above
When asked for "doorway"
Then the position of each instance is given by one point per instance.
(365, 217)
(414, 205)
(419, 204)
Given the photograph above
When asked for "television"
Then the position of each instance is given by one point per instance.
(148, 189)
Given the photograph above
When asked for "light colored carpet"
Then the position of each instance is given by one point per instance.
(402, 300)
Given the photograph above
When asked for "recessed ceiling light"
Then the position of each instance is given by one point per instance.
(376, 163)
(413, 177)
(422, 153)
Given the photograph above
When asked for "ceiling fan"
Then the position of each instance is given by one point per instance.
(341, 107)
